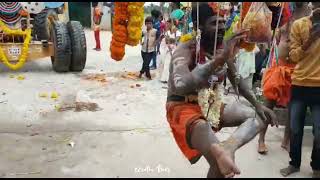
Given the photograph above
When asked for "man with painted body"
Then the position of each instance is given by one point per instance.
(192, 132)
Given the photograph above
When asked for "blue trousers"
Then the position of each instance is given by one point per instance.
(303, 97)
(154, 57)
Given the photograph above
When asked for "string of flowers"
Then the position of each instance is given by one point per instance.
(119, 35)
(25, 47)
(135, 23)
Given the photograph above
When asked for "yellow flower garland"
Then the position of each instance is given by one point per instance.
(186, 37)
(135, 23)
(25, 48)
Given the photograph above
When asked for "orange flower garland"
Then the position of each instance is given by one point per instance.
(119, 35)
(136, 15)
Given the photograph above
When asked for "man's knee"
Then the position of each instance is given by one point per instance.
(261, 124)
(193, 126)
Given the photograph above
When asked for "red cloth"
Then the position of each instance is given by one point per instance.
(97, 38)
(286, 14)
(277, 82)
(180, 116)
(162, 27)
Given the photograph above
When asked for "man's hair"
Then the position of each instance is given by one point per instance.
(155, 13)
(205, 12)
(177, 4)
(148, 19)
(94, 4)
(299, 4)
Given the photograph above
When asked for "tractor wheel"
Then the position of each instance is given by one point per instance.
(42, 23)
(61, 59)
(78, 46)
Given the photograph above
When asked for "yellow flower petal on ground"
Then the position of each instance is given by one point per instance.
(43, 95)
(20, 77)
(54, 95)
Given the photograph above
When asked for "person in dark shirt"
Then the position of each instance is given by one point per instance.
(156, 25)
(261, 58)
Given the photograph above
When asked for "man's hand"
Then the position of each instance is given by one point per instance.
(315, 31)
(232, 45)
(267, 115)
(314, 35)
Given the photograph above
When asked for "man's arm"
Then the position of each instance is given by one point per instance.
(263, 112)
(185, 81)
(296, 53)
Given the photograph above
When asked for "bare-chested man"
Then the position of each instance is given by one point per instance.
(193, 134)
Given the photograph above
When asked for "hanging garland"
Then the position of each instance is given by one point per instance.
(187, 37)
(25, 48)
(119, 35)
(135, 23)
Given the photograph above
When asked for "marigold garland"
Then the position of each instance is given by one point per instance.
(120, 34)
(186, 37)
(136, 15)
(25, 47)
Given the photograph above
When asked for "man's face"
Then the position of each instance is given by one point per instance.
(209, 32)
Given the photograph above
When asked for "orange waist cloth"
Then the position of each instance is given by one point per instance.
(181, 117)
(277, 82)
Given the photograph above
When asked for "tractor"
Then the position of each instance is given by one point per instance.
(32, 30)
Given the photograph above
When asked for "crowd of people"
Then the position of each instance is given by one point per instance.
(294, 53)
(287, 68)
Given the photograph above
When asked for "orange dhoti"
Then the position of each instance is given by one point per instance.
(181, 117)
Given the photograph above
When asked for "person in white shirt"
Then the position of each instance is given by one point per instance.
(149, 40)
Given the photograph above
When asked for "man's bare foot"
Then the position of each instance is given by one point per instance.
(262, 148)
(214, 171)
(285, 146)
(288, 170)
(225, 160)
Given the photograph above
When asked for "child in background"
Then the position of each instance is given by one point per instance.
(149, 41)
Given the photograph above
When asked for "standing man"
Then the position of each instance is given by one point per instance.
(301, 10)
(304, 50)
(156, 25)
(148, 49)
(97, 14)
(177, 15)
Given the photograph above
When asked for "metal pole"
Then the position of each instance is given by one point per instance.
(216, 34)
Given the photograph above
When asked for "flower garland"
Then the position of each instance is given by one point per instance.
(136, 15)
(211, 111)
(25, 48)
(186, 37)
(119, 35)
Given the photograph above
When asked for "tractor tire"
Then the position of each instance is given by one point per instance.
(61, 59)
(78, 46)
(42, 23)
